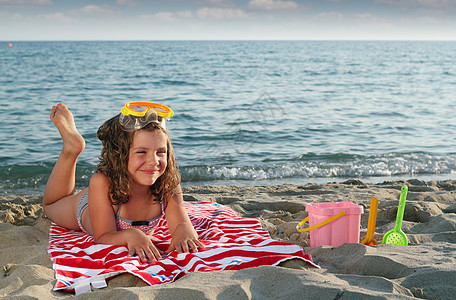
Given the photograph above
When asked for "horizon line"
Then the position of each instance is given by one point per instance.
(232, 40)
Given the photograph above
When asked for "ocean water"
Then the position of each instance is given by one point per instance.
(248, 113)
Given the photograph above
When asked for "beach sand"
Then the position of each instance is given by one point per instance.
(424, 269)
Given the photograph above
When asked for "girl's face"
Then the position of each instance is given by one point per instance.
(148, 157)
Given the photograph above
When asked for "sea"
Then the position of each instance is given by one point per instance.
(246, 112)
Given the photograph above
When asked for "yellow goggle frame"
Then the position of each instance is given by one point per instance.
(140, 108)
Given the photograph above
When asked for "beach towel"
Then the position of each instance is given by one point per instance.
(231, 243)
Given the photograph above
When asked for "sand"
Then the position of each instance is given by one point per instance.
(424, 269)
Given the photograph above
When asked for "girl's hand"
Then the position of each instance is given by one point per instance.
(184, 239)
(140, 244)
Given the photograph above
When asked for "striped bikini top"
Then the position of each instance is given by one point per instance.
(145, 226)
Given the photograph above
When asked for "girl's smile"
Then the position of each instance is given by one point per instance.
(148, 156)
(150, 172)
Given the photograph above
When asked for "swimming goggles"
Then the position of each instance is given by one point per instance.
(136, 115)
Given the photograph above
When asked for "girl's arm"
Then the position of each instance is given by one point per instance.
(184, 236)
(103, 223)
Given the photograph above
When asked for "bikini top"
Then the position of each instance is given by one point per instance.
(145, 226)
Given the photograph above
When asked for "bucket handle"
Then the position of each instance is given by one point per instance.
(342, 213)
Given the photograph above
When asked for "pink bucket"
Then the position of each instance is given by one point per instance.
(332, 223)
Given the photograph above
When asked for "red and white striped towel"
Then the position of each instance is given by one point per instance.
(232, 243)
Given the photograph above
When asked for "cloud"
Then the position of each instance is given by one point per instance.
(219, 3)
(128, 2)
(426, 20)
(70, 16)
(93, 10)
(26, 2)
(272, 5)
(329, 16)
(56, 17)
(221, 13)
(366, 17)
(215, 3)
(351, 19)
(184, 14)
(163, 16)
(418, 3)
(168, 16)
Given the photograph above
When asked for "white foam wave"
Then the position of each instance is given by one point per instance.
(354, 166)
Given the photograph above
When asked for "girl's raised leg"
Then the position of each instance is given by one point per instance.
(59, 203)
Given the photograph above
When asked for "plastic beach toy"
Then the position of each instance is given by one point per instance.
(136, 115)
(396, 236)
(369, 240)
(332, 223)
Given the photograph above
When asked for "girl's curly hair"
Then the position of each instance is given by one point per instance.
(113, 162)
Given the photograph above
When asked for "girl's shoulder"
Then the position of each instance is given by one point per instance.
(99, 188)
(99, 180)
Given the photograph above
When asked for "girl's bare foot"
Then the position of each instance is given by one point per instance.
(73, 142)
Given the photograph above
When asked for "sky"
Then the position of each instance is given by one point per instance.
(50, 20)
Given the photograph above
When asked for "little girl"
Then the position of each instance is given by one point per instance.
(135, 183)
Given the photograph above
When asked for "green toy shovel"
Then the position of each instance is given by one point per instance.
(396, 236)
